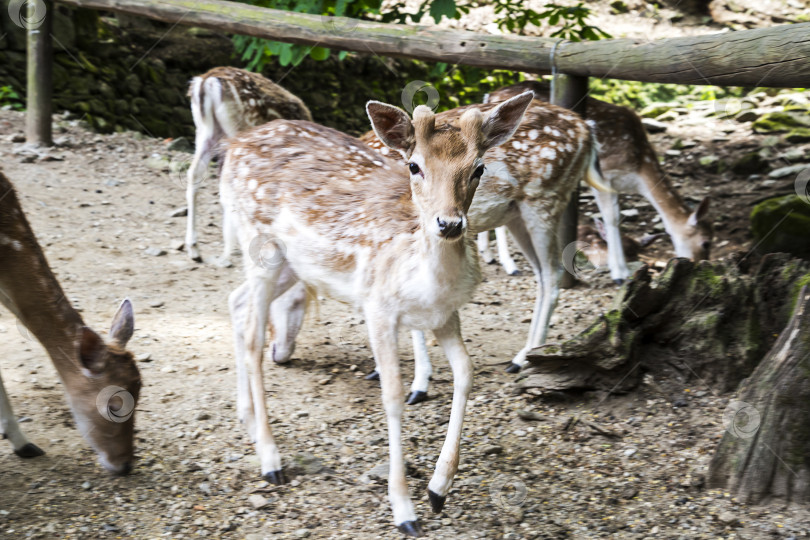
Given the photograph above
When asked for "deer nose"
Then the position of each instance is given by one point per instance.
(450, 229)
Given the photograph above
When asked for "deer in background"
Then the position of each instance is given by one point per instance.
(595, 248)
(388, 237)
(101, 380)
(629, 165)
(225, 101)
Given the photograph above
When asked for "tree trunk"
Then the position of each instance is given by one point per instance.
(704, 321)
(765, 452)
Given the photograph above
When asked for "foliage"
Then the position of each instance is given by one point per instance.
(258, 52)
(638, 95)
(8, 96)
(515, 16)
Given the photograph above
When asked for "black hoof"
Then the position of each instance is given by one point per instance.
(197, 259)
(618, 281)
(436, 501)
(411, 528)
(373, 376)
(30, 450)
(516, 273)
(416, 397)
(275, 477)
(512, 368)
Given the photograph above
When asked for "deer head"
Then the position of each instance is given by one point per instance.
(696, 238)
(104, 395)
(445, 162)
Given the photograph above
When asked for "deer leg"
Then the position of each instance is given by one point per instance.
(239, 303)
(203, 152)
(383, 337)
(609, 207)
(483, 248)
(450, 338)
(422, 370)
(524, 240)
(262, 285)
(287, 315)
(503, 252)
(11, 429)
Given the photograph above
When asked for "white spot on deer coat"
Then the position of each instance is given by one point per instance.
(533, 134)
(548, 153)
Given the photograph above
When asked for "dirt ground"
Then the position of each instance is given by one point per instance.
(98, 208)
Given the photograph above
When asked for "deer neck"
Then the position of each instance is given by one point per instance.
(674, 213)
(47, 314)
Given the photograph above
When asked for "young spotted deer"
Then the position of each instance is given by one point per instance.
(629, 165)
(225, 101)
(526, 186)
(388, 237)
(101, 380)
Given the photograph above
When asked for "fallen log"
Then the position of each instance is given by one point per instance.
(705, 322)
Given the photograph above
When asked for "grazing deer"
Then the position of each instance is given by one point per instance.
(595, 248)
(312, 204)
(101, 380)
(629, 165)
(225, 101)
(526, 186)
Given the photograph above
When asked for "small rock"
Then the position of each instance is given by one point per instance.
(159, 163)
(493, 449)
(180, 144)
(788, 171)
(179, 212)
(301, 533)
(156, 303)
(86, 485)
(629, 492)
(205, 487)
(653, 126)
(301, 414)
(155, 252)
(729, 519)
(629, 452)
(630, 213)
(145, 357)
(378, 472)
(17, 138)
(202, 416)
(257, 501)
(178, 245)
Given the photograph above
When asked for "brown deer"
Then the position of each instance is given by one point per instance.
(101, 379)
(388, 237)
(630, 165)
(225, 101)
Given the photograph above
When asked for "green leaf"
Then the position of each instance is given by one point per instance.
(319, 53)
(342, 55)
(443, 7)
(285, 55)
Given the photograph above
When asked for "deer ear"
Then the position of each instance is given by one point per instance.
(393, 126)
(91, 352)
(504, 120)
(123, 324)
(700, 212)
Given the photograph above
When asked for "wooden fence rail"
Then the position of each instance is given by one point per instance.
(778, 56)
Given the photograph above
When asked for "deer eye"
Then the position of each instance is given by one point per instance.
(479, 171)
(414, 168)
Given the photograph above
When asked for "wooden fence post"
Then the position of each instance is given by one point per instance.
(572, 93)
(39, 24)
